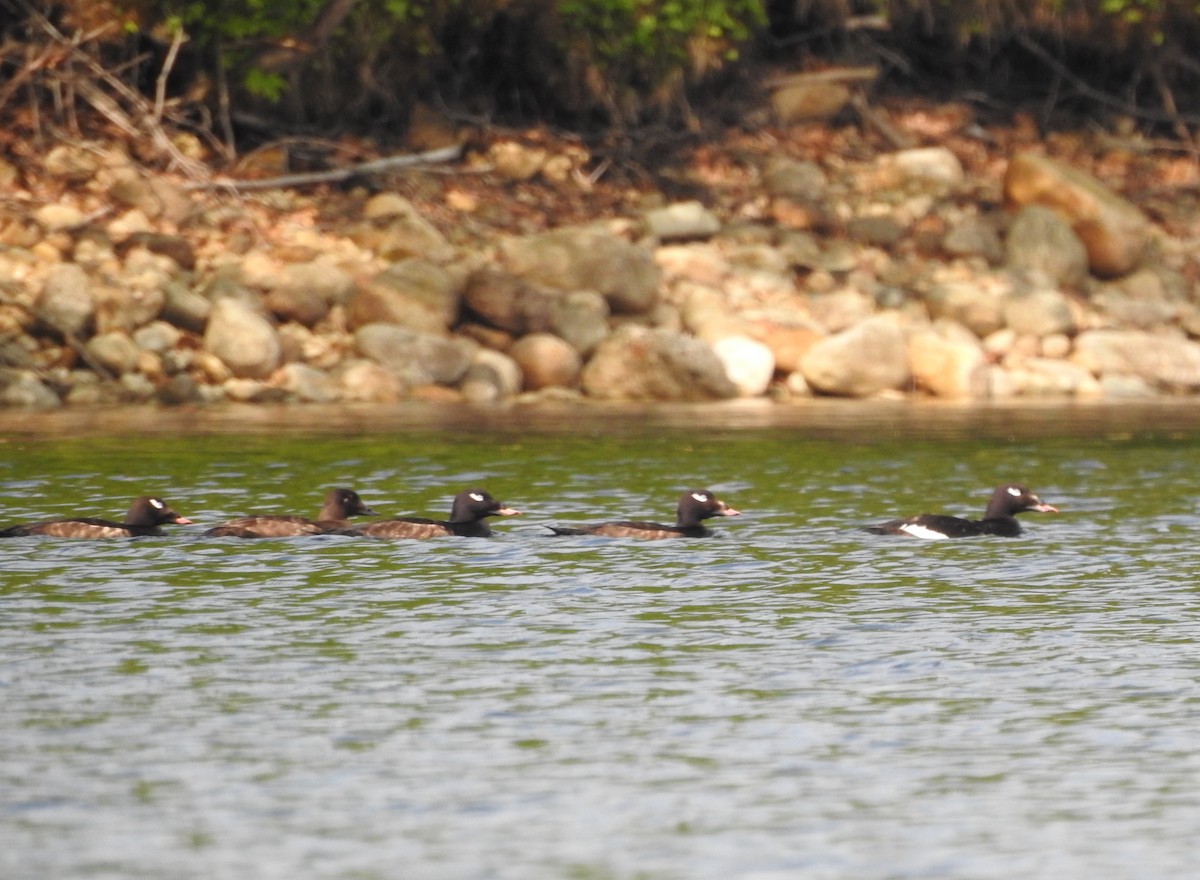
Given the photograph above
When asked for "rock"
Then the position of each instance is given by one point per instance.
(386, 206)
(868, 358)
(581, 318)
(516, 161)
(625, 275)
(1169, 363)
(308, 384)
(491, 377)
(371, 382)
(56, 218)
(545, 360)
(841, 309)
(637, 363)
(682, 221)
(73, 162)
(178, 390)
(932, 164)
(395, 230)
(967, 302)
(948, 363)
(414, 293)
(788, 343)
(1039, 377)
(974, 237)
(803, 182)
(417, 358)
(305, 307)
(23, 388)
(66, 303)
(806, 101)
(1040, 240)
(506, 302)
(113, 351)
(304, 292)
(1113, 230)
(185, 308)
(174, 247)
(1038, 313)
(243, 339)
(877, 230)
(749, 364)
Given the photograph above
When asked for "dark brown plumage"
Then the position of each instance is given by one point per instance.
(144, 517)
(339, 506)
(467, 516)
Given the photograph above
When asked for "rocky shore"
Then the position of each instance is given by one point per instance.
(921, 271)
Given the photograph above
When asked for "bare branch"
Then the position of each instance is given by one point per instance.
(337, 175)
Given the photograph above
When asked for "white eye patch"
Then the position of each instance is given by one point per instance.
(475, 496)
(699, 496)
(156, 504)
(1014, 491)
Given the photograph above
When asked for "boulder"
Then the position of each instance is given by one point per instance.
(546, 360)
(243, 339)
(948, 361)
(870, 357)
(1041, 240)
(67, 303)
(1169, 363)
(637, 363)
(969, 303)
(414, 293)
(1038, 313)
(1113, 231)
(417, 358)
(625, 274)
(749, 364)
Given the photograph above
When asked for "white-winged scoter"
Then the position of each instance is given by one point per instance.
(999, 519)
(695, 506)
(143, 519)
(467, 520)
(339, 506)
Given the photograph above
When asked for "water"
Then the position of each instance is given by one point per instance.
(793, 699)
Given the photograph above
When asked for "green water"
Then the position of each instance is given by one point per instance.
(794, 698)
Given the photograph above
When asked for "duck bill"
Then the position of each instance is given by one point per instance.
(729, 511)
(182, 521)
(1043, 507)
(508, 511)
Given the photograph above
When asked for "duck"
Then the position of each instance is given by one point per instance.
(339, 506)
(468, 513)
(695, 506)
(999, 519)
(143, 519)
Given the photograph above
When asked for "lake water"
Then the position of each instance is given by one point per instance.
(793, 699)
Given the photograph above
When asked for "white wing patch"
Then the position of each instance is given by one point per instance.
(924, 532)
(475, 496)
(700, 496)
(156, 504)
(1014, 491)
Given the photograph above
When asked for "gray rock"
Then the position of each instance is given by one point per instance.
(491, 377)
(637, 363)
(934, 164)
(396, 230)
(626, 275)
(185, 308)
(243, 339)
(868, 358)
(509, 303)
(67, 303)
(877, 230)
(800, 181)
(975, 237)
(308, 384)
(1040, 240)
(417, 358)
(1168, 363)
(113, 351)
(414, 293)
(178, 390)
(23, 388)
(581, 318)
(304, 306)
(968, 303)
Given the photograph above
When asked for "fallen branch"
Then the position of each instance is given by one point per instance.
(336, 175)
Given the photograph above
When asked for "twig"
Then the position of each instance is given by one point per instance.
(160, 87)
(874, 119)
(336, 175)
